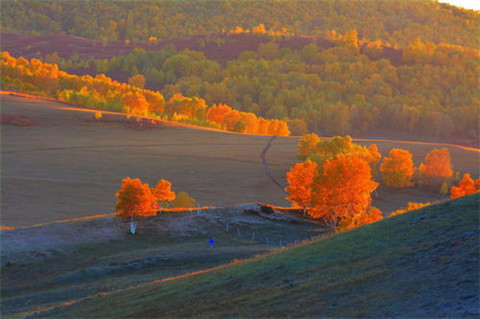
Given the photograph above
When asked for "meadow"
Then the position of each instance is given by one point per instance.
(68, 165)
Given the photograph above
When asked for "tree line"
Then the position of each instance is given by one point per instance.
(337, 178)
(101, 92)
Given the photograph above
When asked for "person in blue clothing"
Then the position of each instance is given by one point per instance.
(211, 243)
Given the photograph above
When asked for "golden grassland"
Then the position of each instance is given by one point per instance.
(68, 165)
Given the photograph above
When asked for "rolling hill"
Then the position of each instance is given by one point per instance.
(63, 261)
(420, 264)
(83, 161)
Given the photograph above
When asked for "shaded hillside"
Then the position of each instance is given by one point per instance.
(420, 264)
(397, 22)
(221, 47)
(57, 262)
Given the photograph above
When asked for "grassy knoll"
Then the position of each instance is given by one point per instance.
(67, 165)
(420, 264)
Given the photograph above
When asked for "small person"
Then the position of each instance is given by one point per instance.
(211, 243)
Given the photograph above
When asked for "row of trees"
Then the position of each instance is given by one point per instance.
(395, 21)
(336, 179)
(348, 87)
(397, 169)
(103, 93)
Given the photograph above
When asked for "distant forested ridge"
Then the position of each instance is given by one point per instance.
(346, 87)
(332, 67)
(397, 22)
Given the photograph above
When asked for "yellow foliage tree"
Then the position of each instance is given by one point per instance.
(436, 168)
(397, 169)
(183, 200)
(307, 145)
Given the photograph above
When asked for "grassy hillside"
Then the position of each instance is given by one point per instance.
(58, 262)
(83, 162)
(420, 264)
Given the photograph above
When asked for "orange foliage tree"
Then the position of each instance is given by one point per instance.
(436, 168)
(397, 169)
(466, 186)
(300, 180)
(163, 191)
(135, 199)
(337, 191)
(342, 189)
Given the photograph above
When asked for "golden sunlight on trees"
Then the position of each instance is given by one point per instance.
(466, 186)
(397, 169)
(137, 80)
(307, 145)
(183, 200)
(376, 156)
(410, 206)
(342, 189)
(163, 191)
(436, 168)
(135, 199)
(335, 184)
(300, 180)
(102, 92)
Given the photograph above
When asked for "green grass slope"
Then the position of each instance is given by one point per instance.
(419, 264)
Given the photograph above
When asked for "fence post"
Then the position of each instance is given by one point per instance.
(253, 236)
(238, 232)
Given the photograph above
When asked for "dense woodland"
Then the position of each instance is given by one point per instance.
(348, 87)
(404, 66)
(395, 21)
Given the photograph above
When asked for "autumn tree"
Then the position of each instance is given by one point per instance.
(182, 199)
(163, 191)
(300, 180)
(135, 199)
(397, 169)
(466, 186)
(137, 80)
(436, 168)
(307, 145)
(342, 189)
(376, 156)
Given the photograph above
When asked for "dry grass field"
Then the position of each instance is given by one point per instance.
(68, 165)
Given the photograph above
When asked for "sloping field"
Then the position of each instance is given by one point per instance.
(60, 262)
(67, 165)
(420, 264)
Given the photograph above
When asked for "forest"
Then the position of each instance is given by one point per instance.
(347, 87)
(395, 22)
(414, 71)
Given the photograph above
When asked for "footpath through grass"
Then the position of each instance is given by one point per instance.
(420, 264)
